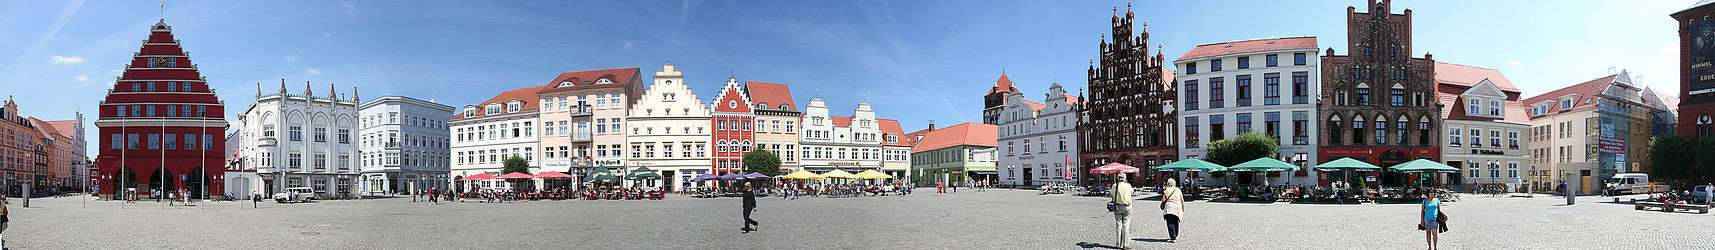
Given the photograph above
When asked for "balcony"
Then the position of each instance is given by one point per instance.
(580, 112)
(582, 137)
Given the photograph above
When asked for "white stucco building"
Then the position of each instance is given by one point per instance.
(404, 145)
(1485, 126)
(1038, 140)
(302, 140)
(852, 143)
(486, 133)
(1265, 86)
(669, 131)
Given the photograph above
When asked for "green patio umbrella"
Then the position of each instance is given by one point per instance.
(1191, 165)
(642, 173)
(1346, 164)
(1422, 165)
(601, 174)
(1264, 164)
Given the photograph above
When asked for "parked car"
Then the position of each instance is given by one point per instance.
(295, 195)
(1698, 194)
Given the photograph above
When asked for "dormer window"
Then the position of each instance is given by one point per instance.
(1475, 108)
(604, 80)
(493, 108)
(785, 107)
(469, 111)
(1495, 108)
(762, 105)
(1541, 109)
(1566, 103)
(514, 106)
(566, 84)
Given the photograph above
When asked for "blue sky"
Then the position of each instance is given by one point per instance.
(913, 60)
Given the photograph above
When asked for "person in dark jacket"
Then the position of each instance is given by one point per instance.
(749, 204)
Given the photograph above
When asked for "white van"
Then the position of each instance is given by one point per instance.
(1628, 183)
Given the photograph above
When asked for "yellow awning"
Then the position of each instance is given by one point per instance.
(802, 175)
(841, 174)
(872, 174)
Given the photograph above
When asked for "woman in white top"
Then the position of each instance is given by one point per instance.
(1173, 207)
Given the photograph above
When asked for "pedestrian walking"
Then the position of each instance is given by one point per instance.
(1121, 207)
(1172, 208)
(749, 204)
(1709, 193)
(1431, 209)
(5, 218)
(434, 197)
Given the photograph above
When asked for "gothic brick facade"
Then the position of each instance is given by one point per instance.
(1129, 117)
(1378, 92)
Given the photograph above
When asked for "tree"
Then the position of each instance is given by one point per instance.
(1682, 162)
(762, 161)
(1240, 149)
(515, 164)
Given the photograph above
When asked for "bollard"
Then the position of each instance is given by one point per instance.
(1571, 197)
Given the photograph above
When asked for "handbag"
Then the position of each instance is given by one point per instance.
(1111, 207)
(1441, 218)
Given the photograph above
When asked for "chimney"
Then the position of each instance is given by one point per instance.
(931, 125)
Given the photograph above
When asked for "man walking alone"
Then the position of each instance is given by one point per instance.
(749, 204)
(1121, 206)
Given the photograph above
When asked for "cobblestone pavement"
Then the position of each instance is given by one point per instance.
(996, 219)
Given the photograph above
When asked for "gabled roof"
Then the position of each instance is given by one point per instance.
(65, 126)
(772, 94)
(731, 92)
(1512, 111)
(1465, 75)
(891, 127)
(1167, 79)
(526, 95)
(1248, 46)
(1072, 99)
(1003, 85)
(1035, 106)
(47, 129)
(842, 121)
(1586, 92)
(1654, 100)
(913, 138)
(975, 134)
(588, 79)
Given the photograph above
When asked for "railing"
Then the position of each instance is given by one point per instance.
(580, 112)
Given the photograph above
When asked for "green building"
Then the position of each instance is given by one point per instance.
(954, 155)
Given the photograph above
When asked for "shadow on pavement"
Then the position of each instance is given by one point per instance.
(1095, 245)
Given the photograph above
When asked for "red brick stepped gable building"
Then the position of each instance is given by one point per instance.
(733, 135)
(1377, 92)
(1129, 116)
(160, 124)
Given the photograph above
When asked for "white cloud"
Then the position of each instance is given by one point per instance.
(313, 72)
(291, 57)
(66, 60)
(350, 6)
(629, 45)
(1513, 62)
(81, 78)
(326, 36)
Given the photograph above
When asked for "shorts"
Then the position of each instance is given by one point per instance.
(1431, 225)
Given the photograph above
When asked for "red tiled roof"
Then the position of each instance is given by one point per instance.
(45, 128)
(1248, 46)
(1002, 85)
(1585, 92)
(1167, 79)
(842, 121)
(891, 127)
(772, 94)
(976, 134)
(1465, 75)
(1453, 108)
(67, 126)
(1073, 99)
(527, 95)
(912, 138)
(586, 79)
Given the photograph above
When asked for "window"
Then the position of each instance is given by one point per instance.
(1299, 59)
(1271, 125)
(1301, 128)
(1566, 103)
(1191, 68)
(1244, 62)
(1271, 60)
(1363, 95)
(1217, 98)
(1215, 65)
(344, 136)
(268, 131)
(1475, 107)
(154, 141)
(1244, 91)
(1495, 138)
(120, 111)
(321, 135)
(1423, 131)
(1476, 138)
(1397, 97)
(151, 112)
(1244, 120)
(1191, 95)
(132, 142)
(1381, 131)
(1358, 130)
(1335, 132)
(1453, 139)
(1217, 130)
(1399, 130)
(116, 142)
(493, 108)
(295, 133)
(1495, 108)
(191, 142)
(1271, 89)
(1512, 170)
(1476, 172)
(171, 142)
(514, 106)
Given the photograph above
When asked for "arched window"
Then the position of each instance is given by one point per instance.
(1335, 130)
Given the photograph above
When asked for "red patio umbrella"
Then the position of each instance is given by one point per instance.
(515, 175)
(479, 177)
(552, 175)
(1113, 168)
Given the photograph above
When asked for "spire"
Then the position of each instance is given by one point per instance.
(258, 90)
(282, 87)
(331, 94)
(307, 92)
(354, 97)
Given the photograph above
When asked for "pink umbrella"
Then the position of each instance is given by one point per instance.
(515, 175)
(552, 175)
(478, 177)
(1113, 168)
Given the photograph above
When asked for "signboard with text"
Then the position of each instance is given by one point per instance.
(1702, 57)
